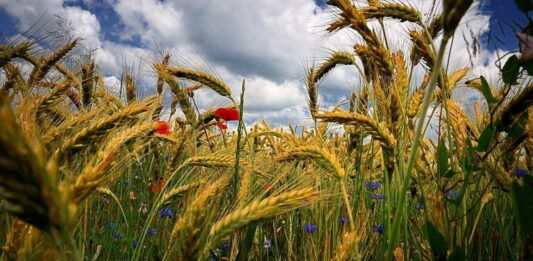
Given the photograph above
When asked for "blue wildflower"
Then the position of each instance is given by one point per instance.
(378, 229)
(310, 228)
(116, 235)
(134, 244)
(420, 206)
(453, 195)
(373, 185)
(170, 213)
(111, 225)
(376, 196)
(126, 182)
(521, 172)
(166, 158)
(226, 245)
(267, 243)
(152, 231)
(342, 220)
(166, 212)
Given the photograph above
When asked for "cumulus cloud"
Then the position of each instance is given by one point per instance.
(267, 42)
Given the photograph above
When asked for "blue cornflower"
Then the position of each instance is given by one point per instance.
(373, 185)
(166, 158)
(134, 244)
(376, 196)
(226, 245)
(116, 235)
(166, 212)
(420, 206)
(310, 228)
(342, 220)
(521, 172)
(152, 231)
(170, 213)
(111, 225)
(453, 195)
(267, 243)
(126, 182)
(378, 229)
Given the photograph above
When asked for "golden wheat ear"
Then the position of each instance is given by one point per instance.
(8, 53)
(29, 184)
(212, 82)
(257, 210)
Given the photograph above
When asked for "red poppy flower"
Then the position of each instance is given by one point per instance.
(222, 125)
(161, 183)
(154, 188)
(227, 114)
(162, 128)
(267, 186)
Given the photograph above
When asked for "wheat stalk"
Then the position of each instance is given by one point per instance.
(257, 210)
(377, 130)
(93, 175)
(103, 126)
(322, 158)
(206, 79)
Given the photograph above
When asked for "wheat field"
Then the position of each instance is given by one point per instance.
(86, 175)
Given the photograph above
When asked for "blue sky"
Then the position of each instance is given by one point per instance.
(267, 42)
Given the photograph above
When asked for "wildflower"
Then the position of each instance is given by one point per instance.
(342, 220)
(267, 243)
(126, 182)
(226, 245)
(267, 186)
(526, 46)
(111, 225)
(378, 229)
(157, 187)
(222, 125)
(132, 198)
(151, 231)
(134, 244)
(166, 213)
(162, 128)
(453, 195)
(420, 205)
(166, 158)
(161, 183)
(310, 228)
(226, 114)
(376, 196)
(143, 210)
(521, 172)
(372, 185)
(116, 235)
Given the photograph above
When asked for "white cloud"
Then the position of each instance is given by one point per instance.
(153, 21)
(263, 41)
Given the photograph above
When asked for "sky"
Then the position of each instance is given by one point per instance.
(269, 43)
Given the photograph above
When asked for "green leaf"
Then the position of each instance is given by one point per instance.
(523, 205)
(487, 93)
(517, 128)
(510, 70)
(484, 139)
(524, 5)
(528, 65)
(458, 254)
(436, 241)
(442, 159)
